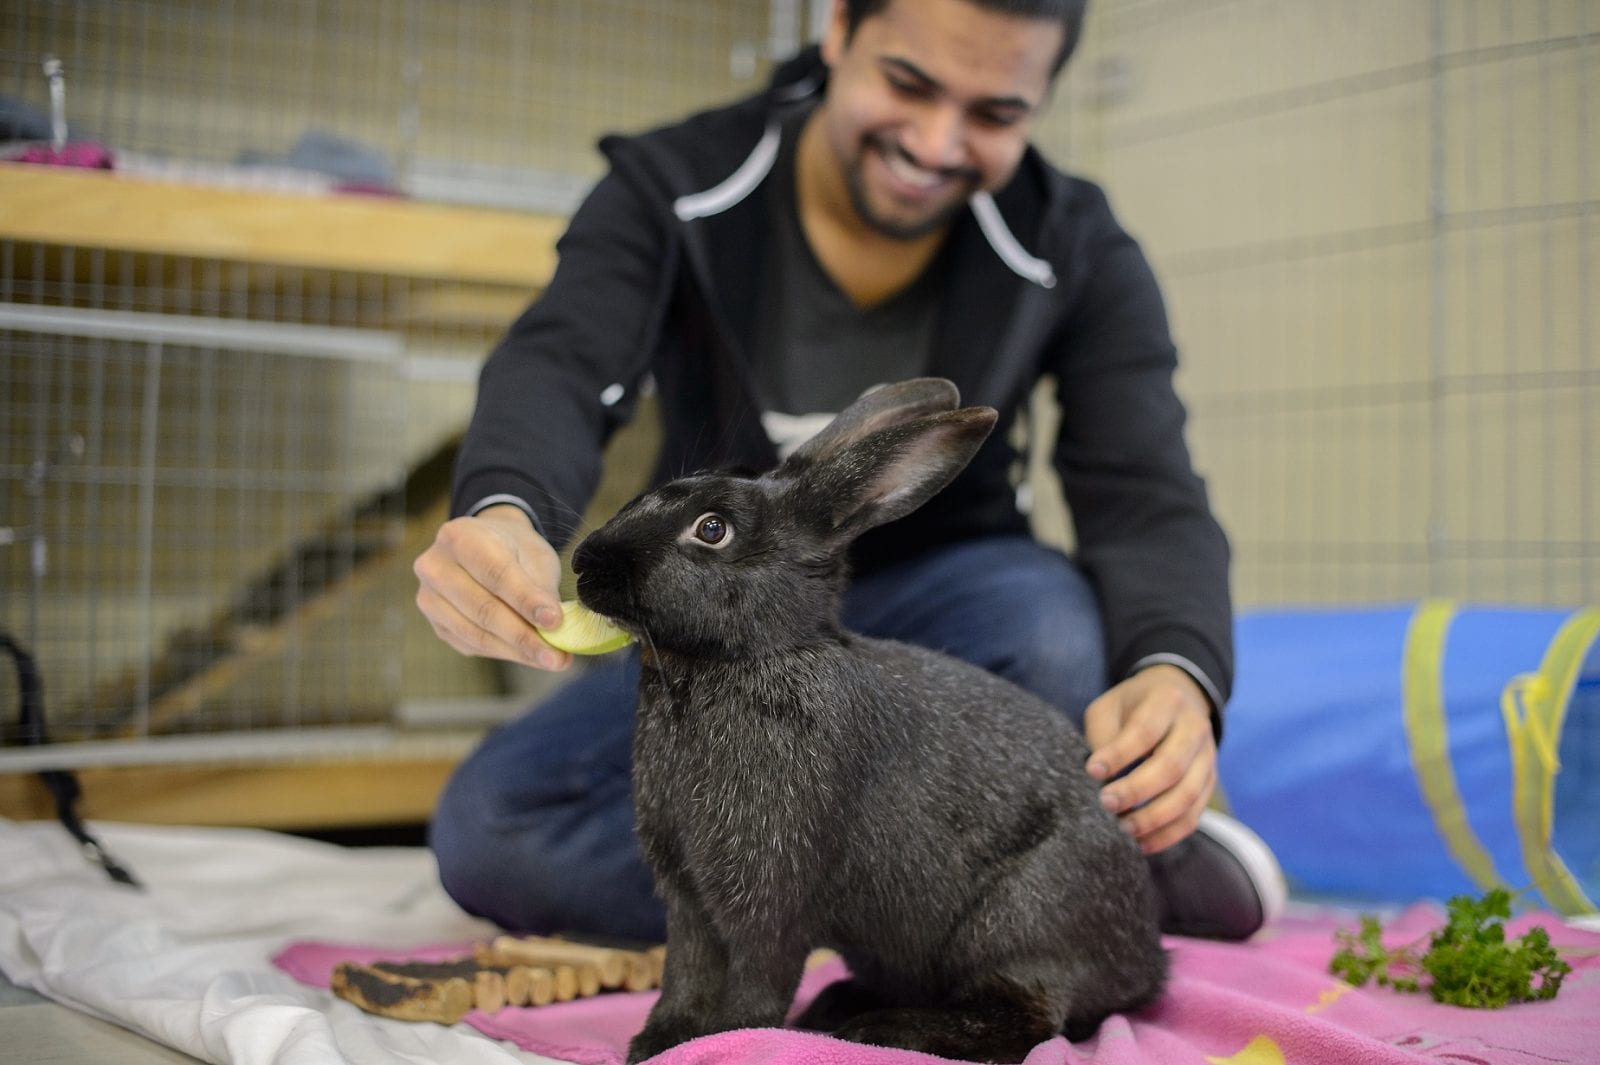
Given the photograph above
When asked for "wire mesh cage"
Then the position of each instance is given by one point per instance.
(1375, 224)
(196, 524)
(493, 102)
(218, 455)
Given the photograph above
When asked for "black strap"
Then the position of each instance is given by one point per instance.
(61, 783)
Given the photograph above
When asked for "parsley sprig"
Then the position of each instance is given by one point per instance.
(1468, 962)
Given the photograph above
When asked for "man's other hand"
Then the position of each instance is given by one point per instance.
(1159, 715)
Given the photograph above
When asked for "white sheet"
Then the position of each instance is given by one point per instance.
(187, 961)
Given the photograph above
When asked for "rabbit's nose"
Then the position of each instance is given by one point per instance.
(583, 555)
(598, 561)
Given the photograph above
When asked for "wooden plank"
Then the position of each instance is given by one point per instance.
(97, 209)
(462, 307)
(299, 796)
(249, 645)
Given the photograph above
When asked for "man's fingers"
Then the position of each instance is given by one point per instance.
(1169, 759)
(1100, 724)
(1133, 739)
(490, 557)
(1174, 816)
(467, 636)
(478, 623)
(454, 628)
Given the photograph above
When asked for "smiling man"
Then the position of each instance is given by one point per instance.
(877, 214)
(920, 115)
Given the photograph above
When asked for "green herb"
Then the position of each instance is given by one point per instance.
(1468, 962)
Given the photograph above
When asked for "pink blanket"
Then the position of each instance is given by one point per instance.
(1267, 1002)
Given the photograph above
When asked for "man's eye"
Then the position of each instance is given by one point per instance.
(997, 119)
(712, 529)
(908, 88)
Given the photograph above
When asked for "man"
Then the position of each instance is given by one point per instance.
(877, 214)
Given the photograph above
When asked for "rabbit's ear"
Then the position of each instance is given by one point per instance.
(878, 409)
(887, 474)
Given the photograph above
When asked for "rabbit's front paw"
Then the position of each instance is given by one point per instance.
(963, 1035)
(658, 1037)
(836, 1004)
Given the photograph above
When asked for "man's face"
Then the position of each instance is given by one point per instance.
(929, 102)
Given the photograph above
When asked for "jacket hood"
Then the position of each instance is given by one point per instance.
(800, 75)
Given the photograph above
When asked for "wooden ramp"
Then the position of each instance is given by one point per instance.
(310, 583)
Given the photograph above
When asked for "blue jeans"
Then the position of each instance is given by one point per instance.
(534, 831)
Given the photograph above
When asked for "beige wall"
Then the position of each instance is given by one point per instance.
(1376, 226)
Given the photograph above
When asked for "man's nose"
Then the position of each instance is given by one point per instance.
(936, 138)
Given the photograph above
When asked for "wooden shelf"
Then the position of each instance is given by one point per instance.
(388, 791)
(361, 234)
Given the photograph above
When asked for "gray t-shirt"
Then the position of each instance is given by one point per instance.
(815, 350)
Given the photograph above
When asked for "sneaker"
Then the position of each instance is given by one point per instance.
(1220, 883)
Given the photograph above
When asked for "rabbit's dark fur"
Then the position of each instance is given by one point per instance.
(800, 786)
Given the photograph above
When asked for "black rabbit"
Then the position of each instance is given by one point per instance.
(799, 786)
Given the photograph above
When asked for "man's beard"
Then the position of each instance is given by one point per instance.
(856, 182)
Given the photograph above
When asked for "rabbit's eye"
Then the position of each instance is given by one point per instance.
(713, 529)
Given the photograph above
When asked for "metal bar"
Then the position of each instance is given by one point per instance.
(821, 12)
(1547, 277)
(512, 188)
(276, 338)
(1508, 172)
(150, 426)
(1470, 361)
(265, 745)
(1589, 576)
(1438, 369)
(290, 675)
(408, 117)
(783, 29)
(35, 480)
(93, 523)
(250, 480)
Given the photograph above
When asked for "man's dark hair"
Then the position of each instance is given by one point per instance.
(1068, 12)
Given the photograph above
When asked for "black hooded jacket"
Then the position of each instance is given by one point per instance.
(659, 275)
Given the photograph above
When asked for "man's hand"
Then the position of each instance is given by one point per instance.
(486, 581)
(1160, 715)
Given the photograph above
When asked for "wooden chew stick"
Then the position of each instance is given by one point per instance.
(588, 981)
(517, 985)
(489, 991)
(403, 997)
(641, 974)
(541, 986)
(610, 964)
(566, 983)
(510, 971)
